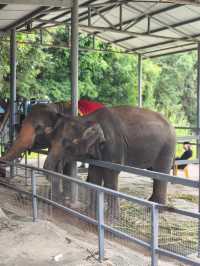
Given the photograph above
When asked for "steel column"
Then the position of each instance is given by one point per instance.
(74, 81)
(34, 196)
(12, 83)
(198, 126)
(139, 80)
(100, 212)
(74, 58)
(154, 235)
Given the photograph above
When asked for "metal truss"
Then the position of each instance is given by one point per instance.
(90, 12)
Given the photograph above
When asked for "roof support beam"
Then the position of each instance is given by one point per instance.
(177, 31)
(185, 46)
(133, 34)
(163, 43)
(26, 18)
(40, 15)
(163, 28)
(59, 3)
(65, 14)
(127, 22)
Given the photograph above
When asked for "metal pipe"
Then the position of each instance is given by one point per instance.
(100, 210)
(12, 84)
(154, 235)
(198, 133)
(139, 80)
(74, 58)
(74, 82)
(34, 196)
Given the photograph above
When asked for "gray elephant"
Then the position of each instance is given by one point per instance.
(124, 135)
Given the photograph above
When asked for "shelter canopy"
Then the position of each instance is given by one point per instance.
(147, 27)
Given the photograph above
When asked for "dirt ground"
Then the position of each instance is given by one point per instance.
(24, 243)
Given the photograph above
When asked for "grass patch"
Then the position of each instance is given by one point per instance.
(188, 197)
(176, 233)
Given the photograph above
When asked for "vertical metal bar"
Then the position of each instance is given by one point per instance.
(93, 41)
(34, 196)
(12, 90)
(139, 80)
(74, 81)
(149, 24)
(89, 16)
(26, 170)
(41, 36)
(120, 16)
(74, 58)
(100, 211)
(12, 83)
(38, 160)
(198, 131)
(154, 235)
(12, 170)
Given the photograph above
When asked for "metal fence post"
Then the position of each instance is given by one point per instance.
(38, 157)
(34, 196)
(74, 81)
(154, 235)
(139, 80)
(12, 170)
(26, 162)
(198, 132)
(100, 212)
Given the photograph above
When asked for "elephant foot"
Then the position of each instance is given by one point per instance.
(77, 205)
(158, 199)
(3, 172)
(58, 197)
(91, 211)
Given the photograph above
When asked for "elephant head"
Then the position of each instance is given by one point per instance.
(74, 139)
(36, 128)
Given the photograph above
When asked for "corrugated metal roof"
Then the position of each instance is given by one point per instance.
(147, 27)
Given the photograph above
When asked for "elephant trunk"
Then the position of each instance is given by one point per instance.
(55, 160)
(23, 142)
(51, 163)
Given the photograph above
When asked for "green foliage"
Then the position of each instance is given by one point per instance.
(175, 91)
(169, 82)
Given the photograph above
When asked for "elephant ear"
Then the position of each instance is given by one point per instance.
(56, 119)
(92, 135)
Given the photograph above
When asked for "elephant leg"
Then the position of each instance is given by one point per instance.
(55, 189)
(95, 175)
(159, 194)
(111, 181)
(65, 183)
(163, 164)
(2, 172)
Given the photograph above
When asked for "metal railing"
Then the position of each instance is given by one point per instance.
(152, 245)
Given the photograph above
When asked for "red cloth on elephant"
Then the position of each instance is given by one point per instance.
(86, 107)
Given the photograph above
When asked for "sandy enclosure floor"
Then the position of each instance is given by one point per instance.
(23, 243)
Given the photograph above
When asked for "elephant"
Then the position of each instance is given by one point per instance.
(39, 123)
(35, 129)
(125, 135)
